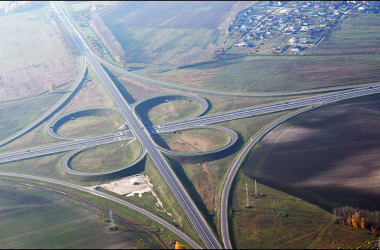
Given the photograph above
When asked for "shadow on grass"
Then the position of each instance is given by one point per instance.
(120, 87)
(179, 171)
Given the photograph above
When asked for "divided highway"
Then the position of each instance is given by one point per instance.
(139, 131)
(143, 136)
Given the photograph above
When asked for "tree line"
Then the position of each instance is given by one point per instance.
(358, 218)
(108, 39)
(12, 7)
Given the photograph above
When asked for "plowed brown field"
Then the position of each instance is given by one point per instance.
(329, 156)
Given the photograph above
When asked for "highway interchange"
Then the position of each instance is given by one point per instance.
(143, 135)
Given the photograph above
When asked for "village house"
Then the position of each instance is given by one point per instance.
(293, 40)
(304, 28)
(295, 49)
(303, 40)
(241, 43)
(243, 28)
(250, 37)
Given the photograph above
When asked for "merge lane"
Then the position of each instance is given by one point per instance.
(139, 131)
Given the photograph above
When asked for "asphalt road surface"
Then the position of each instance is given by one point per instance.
(140, 132)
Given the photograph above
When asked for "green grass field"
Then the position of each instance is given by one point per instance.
(37, 218)
(358, 33)
(172, 111)
(278, 73)
(129, 214)
(171, 34)
(106, 157)
(18, 114)
(89, 126)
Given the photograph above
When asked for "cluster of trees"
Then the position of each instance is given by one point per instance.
(16, 5)
(52, 87)
(358, 218)
(105, 34)
(93, 43)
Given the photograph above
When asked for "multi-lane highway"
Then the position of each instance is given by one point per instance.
(194, 122)
(143, 136)
(138, 131)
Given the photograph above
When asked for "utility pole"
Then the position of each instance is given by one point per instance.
(256, 193)
(246, 188)
(112, 224)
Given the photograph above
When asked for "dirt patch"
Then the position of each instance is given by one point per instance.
(332, 153)
(129, 186)
(188, 144)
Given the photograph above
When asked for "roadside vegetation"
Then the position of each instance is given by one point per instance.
(204, 178)
(193, 140)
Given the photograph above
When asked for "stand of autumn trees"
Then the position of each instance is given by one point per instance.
(108, 39)
(16, 5)
(358, 218)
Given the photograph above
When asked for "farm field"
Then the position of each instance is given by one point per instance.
(33, 53)
(106, 157)
(358, 33)
(172, 34)
(279, 220)
(35, 218)
(269, 74)
(327, 156)
(193, 140)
